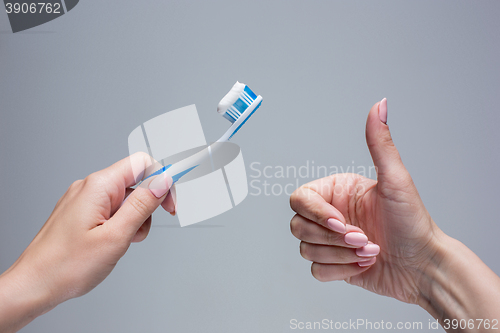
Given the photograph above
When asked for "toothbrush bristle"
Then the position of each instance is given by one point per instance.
(236, 102)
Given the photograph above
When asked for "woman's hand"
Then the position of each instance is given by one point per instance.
(378, 235)
(89, 230)
(338, 215)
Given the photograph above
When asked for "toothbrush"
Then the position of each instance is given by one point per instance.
(237, 106)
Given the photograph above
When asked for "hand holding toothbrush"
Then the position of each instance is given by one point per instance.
(378, 235)
(89, 230)
(95, 222)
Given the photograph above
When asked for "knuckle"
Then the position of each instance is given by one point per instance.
(142, 159)
(73, 190)
(293, 199)
(386, 140)
(92, 179)
(341, 255)
(76, 184)
(329, 237)
(140, 155)
(140, 205)
(296, 198)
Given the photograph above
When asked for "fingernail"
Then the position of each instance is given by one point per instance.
(336, 225)
(160, 185)
(356, 239)
(368, 250)
(367, 263)
(382, 110)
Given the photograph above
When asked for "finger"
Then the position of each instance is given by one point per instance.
(369, 250)
(123, 174)
(382, 149)
(325, 254)
(169, 204)
(311, 232)
(307, 202)
(130, 170)
(140, 204)
(128, 191)
(143, 231)
(325, 273)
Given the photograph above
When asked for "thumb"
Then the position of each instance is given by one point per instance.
(384, 153)
(140, 204)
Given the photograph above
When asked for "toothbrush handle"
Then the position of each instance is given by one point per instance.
(180, 168)
(188, 163)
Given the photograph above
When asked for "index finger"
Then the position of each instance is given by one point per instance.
(124, 174)
(131, 170)
(308, 202)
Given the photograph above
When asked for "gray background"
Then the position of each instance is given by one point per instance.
(73, 89)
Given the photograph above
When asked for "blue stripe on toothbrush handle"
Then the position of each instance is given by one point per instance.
(175, 178)
(182, 173)
(157, 172)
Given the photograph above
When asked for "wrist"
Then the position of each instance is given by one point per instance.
(433, 276)
(456, 284)
(22, 298)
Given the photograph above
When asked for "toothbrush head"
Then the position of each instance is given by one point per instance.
(238, 105)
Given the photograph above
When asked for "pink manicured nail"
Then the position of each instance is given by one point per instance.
(356, 239)
(160, 185)
(336, 225)
(368, 250)
(367, 263)
(382, 110)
